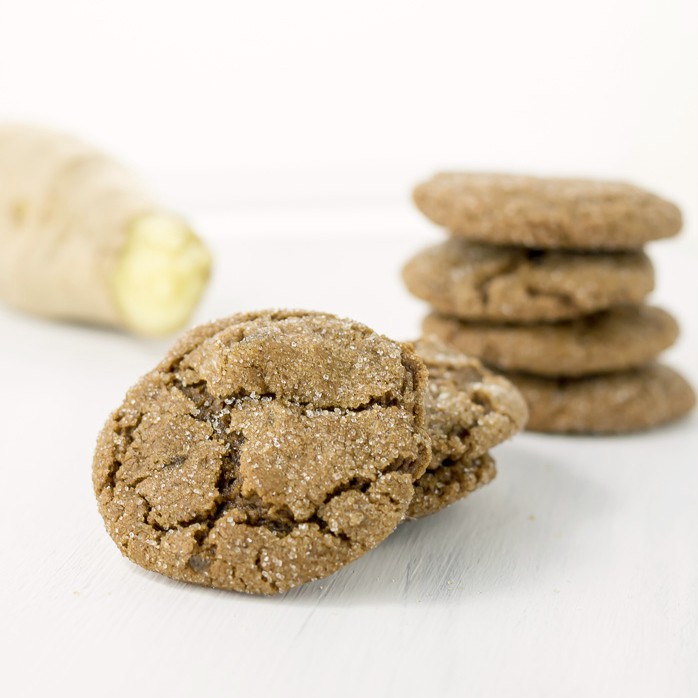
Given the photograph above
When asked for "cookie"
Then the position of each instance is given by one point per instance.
(611, 340)
(438, 488)
(612, 403)
(266, 450)
(469, 409)
(516, 284)
(546, 212)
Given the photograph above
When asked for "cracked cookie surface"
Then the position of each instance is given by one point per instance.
(266, 450)
(469, 409)
(516, 284)
(611, 340)
(555, 213)
(439, 488)
(612, 403)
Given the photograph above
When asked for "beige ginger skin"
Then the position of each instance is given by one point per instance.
(82, 240)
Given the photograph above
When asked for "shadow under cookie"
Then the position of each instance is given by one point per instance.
(513, 536)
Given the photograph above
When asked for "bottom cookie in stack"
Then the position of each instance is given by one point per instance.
(610, 403)
(469, 410)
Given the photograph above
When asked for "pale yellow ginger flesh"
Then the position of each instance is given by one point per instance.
(161, 274)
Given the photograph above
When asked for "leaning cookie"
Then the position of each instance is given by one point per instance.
(266, 450)
(516, 284)
(613, 403)
(439, 488)
(553, 213)
(611, 340)
(469, 409)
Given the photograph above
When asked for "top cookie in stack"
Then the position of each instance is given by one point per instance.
(545, 279)
(557, 214)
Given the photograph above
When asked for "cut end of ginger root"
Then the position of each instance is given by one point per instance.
(161, 273)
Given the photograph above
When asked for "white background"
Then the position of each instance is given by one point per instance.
(291, 134)
(339, 94)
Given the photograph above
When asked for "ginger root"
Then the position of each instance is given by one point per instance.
(81, 240)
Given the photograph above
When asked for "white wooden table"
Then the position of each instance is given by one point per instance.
(575, 573)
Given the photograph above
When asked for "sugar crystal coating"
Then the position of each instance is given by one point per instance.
(551, 213)
(469, 409)
(264, 451)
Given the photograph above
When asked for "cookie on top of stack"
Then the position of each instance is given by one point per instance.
(545, 280)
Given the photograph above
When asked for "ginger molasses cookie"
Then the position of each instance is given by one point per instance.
(610, 403)
(516, 284)
(469, 409)
(266, 450)
(546, 212)
(611, 340)
(439, 488)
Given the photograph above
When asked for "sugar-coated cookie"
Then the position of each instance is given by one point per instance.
(611, 403)
(611, 340)
(266, 450)
(469, 409)
(517, 284)
(541, 212)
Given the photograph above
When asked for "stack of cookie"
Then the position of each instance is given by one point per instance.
(545, 280)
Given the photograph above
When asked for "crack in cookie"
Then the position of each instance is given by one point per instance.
(513, 284)
(264, 451)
